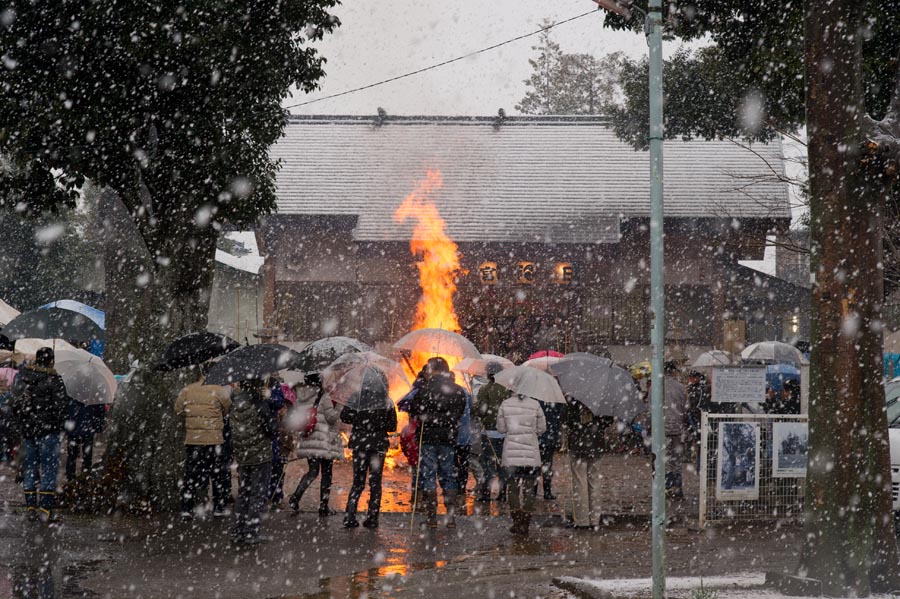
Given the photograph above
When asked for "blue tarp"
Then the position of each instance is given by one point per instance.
(891, 365)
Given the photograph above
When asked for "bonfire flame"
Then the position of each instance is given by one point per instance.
(438, 262)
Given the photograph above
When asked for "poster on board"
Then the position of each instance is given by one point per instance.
(737, 477)
(790, 449)
(739, 384)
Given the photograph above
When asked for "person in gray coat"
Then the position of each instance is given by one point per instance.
(676, 408)
(252, 429)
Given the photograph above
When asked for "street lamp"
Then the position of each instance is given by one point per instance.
(653, 29)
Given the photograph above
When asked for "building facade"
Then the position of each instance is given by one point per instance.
(551, 218)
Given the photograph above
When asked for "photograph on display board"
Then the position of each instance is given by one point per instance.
(738, 472)
(790, 449)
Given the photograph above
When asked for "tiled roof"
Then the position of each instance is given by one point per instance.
(545, 179)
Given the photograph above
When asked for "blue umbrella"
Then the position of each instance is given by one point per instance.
(98, 316)
(777, 374)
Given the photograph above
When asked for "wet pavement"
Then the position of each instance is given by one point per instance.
(312, 557)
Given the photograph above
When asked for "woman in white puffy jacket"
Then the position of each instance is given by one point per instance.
(522, 420)
(320, 447)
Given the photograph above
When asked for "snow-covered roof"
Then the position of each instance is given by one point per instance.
(545, 179)
(250, 262)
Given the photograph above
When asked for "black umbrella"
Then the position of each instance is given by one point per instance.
(53, 323)
(252, 362)
(318, 355)
(196, 348)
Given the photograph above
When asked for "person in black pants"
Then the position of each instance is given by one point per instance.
(86, 422)
(549, 441)
(369, 443)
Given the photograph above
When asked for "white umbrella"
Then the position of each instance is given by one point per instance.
(543, 364)
(478, 366)
(437, 342)
(713, 357)
(774, 352)
(31, 345)
(7, 313)
(531, 382)
(86, 377)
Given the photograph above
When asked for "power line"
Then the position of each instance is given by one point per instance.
(446, 62)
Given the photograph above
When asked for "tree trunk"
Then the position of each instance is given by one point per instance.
(850, 544)
(150, 303)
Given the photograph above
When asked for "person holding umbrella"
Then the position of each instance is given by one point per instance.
(372, 415)
(39, 403)
(675, 408)
(83, 424)
(253, 427)
(522, 420)
(203, 409)
(489, 398)
(320, 444)
(586, 435)
(438, 407)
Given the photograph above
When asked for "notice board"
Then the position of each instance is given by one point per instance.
(738, 384)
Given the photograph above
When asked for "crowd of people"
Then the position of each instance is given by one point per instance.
(489, 433)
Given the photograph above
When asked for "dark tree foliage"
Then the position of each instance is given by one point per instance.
(832, 66)
(171, 108)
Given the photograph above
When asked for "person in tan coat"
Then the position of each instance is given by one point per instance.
(203, 409)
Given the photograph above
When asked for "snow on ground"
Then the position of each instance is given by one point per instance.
(748, 585)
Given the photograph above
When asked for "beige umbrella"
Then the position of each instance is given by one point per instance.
(86, 377)
(531, 382)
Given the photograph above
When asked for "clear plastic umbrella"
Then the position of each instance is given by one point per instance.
(364, 381)
(478, 366)
(713, 357)
(345, 375)
(87, 379)
(774, 352)
(437, 342)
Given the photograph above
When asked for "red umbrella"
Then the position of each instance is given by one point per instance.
(546, 353)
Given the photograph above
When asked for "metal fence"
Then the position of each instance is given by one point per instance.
(778, 498)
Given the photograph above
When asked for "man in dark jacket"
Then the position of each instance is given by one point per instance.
(438, 407)
(587, 437)
(549, 442)
(369, 443)
(252, 429)
(85, 422)
(487, 405)
(39, 404)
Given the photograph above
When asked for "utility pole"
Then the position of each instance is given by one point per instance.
(657, 298)
(653, 29)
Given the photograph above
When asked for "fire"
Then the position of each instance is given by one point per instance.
(438, 262)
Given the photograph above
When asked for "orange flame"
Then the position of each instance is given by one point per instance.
(438, 263)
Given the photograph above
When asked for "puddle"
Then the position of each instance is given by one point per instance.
(373, 582)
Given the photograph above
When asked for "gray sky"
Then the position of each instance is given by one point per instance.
(379, 39)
